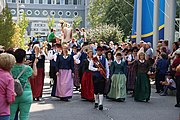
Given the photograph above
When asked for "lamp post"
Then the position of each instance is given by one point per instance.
(19, 6)
(178, 4)
(17, 1)
(156, 24)
(139, 21)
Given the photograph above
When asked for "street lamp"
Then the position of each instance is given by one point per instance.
(178, 3)
(21, 6)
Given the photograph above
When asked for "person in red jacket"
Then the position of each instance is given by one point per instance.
(175, 64)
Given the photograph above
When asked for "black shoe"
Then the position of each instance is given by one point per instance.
(37, 99)
(100, 107)
(157, 92)
(96, 105)
(34, 99)
(147, 100)
(177, 105)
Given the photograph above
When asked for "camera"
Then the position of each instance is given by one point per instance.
(1, 51)
(30, 57)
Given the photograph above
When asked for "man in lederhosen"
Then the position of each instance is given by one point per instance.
(98, 79)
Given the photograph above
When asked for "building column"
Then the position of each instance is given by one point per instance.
(170, 14)
(156, 24)
(139, 21)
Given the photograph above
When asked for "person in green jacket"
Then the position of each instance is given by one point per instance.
(51, 36)
(118, 85)
(24, 101)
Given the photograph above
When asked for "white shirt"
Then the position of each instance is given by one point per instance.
(92, 68)
(51, 55)
(118, 62)
(173, 84)
(77, 61)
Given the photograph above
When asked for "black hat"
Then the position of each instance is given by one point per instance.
(99, 48)
(74, 46)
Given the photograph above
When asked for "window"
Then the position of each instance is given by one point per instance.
(27, 1)
(68, 2)
(40, 1)
(49, 1)
(57, 1)
(29, 12)
(44, 1)
(31, 1)
(75, 2)
(62, 2)
(75, 13)
(52, 13)
(9, 1)
(13, 12)
(79, 2)
(45, 13)
(36, 12)
(13, 1)
(60, 13)
(36, 1)
(68, 13)
(22, 1)
(53, 1)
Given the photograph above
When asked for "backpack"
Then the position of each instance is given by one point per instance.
(17, 84)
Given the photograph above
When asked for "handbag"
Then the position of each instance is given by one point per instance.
(17, 84)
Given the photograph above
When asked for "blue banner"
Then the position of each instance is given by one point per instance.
(147, 20)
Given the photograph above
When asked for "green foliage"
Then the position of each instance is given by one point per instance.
(97, 12)
(23, 23)
(105, 33)
(77, 21)
(7, 29)
(116, 12)
(51, 22)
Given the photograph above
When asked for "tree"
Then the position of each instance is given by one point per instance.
(116, 12)
(7, 29)
(50, 22)
(16, 36)
(105, 32)
(23, 23)
(77, 21)
(120, 13)
(96, 12)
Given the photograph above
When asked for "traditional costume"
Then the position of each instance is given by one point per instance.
(87, 88)
(98, 79)
(131, 73)
(64, 85)
(118, 78)
(37, 82)
(142, 85)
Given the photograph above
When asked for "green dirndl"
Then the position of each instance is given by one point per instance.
(118, 86)
(142, 88)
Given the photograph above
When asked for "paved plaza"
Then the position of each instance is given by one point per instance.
(159, 108)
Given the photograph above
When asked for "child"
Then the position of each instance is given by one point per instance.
(168, 84)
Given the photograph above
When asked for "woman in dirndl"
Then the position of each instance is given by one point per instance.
(87, 88)
(142, 89)
(118, 77)
(65, 74)
(131, 72)
(37, 82)
(76, 68)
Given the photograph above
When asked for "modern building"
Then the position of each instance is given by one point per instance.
(37, 12)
